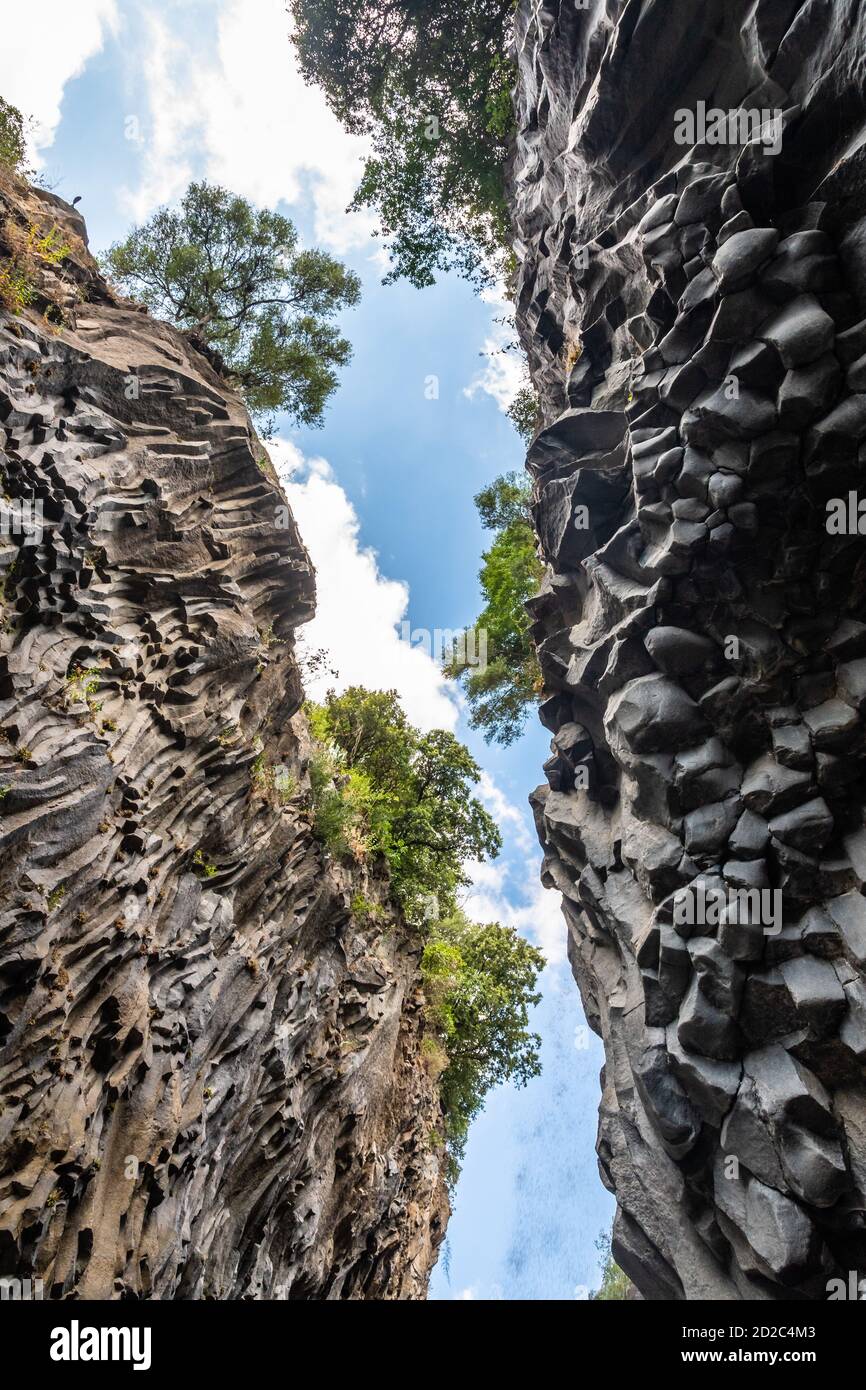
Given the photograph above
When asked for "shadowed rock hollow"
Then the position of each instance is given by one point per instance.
(695, 317)
(210, 1077)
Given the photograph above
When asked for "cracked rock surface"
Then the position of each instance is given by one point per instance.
(211, 1083)
(695, 319)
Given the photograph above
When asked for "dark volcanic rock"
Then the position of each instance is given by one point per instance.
(721, 313)
(211, 1083)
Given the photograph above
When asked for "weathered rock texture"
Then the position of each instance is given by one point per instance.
(695, 317)
(210, 1077)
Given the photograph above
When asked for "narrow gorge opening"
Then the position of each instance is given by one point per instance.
(432, 657)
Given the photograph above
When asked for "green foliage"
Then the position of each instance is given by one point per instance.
(16, 288)
(273, 781)
(381, 787)
(428, 81)
(367, 910)
(503, 502)
(47, 246)
(235, 277)
(286, 785)
(480, 984)
(12, 136)
(339, 804)
(615, 1283)
(20, 272)
(208, 869)
(82, 684)
(501, 692)
(524, 413)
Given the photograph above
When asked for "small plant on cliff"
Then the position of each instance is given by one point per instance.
(428, 82)
(340, 799)
(273, 781)
(203, 865)
(16, 288)
(262, 775)
(501, 692)
(81, 685)
(480, 984)
(235, 277)
(402, 794)
(30, 251)
(48, 246)
(366, 910)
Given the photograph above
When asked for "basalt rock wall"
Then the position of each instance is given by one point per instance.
(689, 194)
(211, 1083)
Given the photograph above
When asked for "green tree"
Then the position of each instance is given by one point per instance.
(429, 83)
(502, 691)
(524, 412)
(408, 795)
(235, 277)
(480, 984)
(615, 1284)
(12, 136)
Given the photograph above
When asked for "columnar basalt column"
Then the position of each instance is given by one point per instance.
(689, 202)
(211, 1078)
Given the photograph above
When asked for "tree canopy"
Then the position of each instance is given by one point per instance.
(501, 693)
(235, 276)
(429, 82)
(615, 1284)
(524, 413)
(13, 136)
(382, 787)
(480, 984)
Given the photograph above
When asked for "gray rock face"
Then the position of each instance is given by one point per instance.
(692, 298)
(211, 1079)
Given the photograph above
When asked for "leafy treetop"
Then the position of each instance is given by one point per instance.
(410, 793)
(429, 82)
(381, 786)
(13, 129)
(501, 693)
(615, 1284)
(235, 276)
(480, 984)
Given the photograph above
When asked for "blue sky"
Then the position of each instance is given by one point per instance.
(131, 100)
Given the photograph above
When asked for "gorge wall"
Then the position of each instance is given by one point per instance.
(211, 1083)
(692, 297)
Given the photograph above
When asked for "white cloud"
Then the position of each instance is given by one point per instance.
(471, 1295)
(359, 613)
(542, 921)
(42, 47)
(359, 610)
(251, 120)
(534, 911)
(169, 135)
(503, 372)
(509, 890)
(505, 812)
